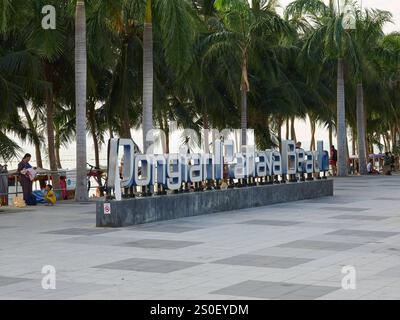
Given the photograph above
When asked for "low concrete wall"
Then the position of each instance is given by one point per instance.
(157, 208)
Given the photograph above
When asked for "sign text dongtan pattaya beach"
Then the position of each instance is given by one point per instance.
(176, 171)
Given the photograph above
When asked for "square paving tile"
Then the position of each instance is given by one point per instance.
(80, 231)
(168, 228)
(148, 265)
(278, 223)
(320, 245)
(387, 199)
(349, 209)
(5, 281)
(363, 233)
(83, 221)
(263, 261)
(391, 273)
(159, 244)
(358, 217)
(275, 290)
(331, 200)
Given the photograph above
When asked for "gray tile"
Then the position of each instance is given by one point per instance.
(5, 281)
(358, 217)
(148, 265)
(390, 273)
(278, 223)
(331, 200)
(349, 209)
(263, 261)
(363, 233)
(89, 212)
(309, 292)
(159, 244)
(392, 185)
(168, 228)
(355, 186)
(80, 231)
(320, 245)
(83, 221)
(274, 290)
(387, 199)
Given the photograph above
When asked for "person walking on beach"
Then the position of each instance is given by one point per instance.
(333, 160)
(25, 180)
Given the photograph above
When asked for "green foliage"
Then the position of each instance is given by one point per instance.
(205, 51)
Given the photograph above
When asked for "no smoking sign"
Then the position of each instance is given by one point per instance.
(107, 208)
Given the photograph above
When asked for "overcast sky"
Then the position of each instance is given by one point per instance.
(390, 5)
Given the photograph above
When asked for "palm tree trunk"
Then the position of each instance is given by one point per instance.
(353, 141)
(93, 130)
(268, 132)
(35, 137)
(245, 87)
(393, 135)
(81, 193)
(387, 138)
(341, 122)
(313, 129)
(57, 147)
(51, 140)
(293, 129)
(38, 154)
(384, 143)
(125, 125)
(147, 76)
(361, 130)
(243, 122)
(206, 128)
(330, 135)
(279, 130)
(287, 128)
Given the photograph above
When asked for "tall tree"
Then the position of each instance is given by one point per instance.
(148, 76)
(81, 193)
(330, 39)
(244, 29)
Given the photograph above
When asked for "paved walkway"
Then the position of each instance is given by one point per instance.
(287, 251)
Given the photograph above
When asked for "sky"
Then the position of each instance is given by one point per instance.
(390, 5)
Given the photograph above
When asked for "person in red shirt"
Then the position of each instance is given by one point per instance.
(333, 160)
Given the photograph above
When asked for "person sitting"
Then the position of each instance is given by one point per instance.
(49, 195)
(371, 169)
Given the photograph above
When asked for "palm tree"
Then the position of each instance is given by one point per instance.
(331, 40)
(367, 35)
(242, 31)
(34, 133)
(80, 93)
(148, 76)
(175, 23)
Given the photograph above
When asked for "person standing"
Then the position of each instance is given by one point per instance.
(387, 164)
(333, 160)
(25, 180)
